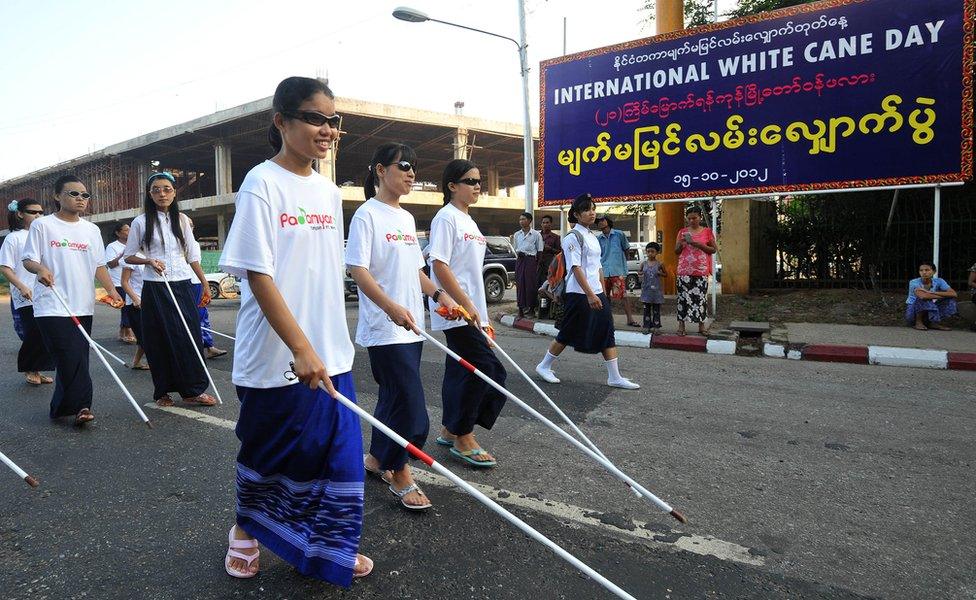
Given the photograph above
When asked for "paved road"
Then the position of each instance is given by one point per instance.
(800, 481)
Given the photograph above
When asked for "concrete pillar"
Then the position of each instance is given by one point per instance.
(492, 187)
(461, 143)
(222, 171)
(142, 173)
(326, 166)
(669, 16)
(221, 228)
(735, 246)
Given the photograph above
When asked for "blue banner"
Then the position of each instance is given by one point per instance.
(830, 95)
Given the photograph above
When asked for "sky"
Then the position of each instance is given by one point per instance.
(81, 75)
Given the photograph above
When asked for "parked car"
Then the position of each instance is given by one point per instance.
(498, 269)
(635, 256)
(223, 285)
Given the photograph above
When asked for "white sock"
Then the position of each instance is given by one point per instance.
(613, 370)
(548, 360)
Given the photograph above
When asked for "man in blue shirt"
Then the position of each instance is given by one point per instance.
(613, 257)
(930, 299)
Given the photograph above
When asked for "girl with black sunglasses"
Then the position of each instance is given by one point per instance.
(33, 357)
(385, 259)
(457, 253)
(300, 465)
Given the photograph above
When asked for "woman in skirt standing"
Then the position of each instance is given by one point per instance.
(694, 246)
(162, 238)
(66, 252)
(457, 253)
(300, 466)
(587, 324)
(33, 357)
(132, 284)
(384, 257)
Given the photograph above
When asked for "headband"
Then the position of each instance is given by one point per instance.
(164, 174)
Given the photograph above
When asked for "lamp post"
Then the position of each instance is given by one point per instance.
(411, 15)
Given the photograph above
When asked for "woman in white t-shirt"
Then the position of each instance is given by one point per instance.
(33, 357)
(161, 237)
(65, 251)
(300, 466)
(384, 258)
(457, 254)
(131, 281)
(587, 323)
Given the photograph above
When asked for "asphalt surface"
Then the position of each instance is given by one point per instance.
(799, 480)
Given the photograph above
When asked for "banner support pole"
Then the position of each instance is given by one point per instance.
(936, 225)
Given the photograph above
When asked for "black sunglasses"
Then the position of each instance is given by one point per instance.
(75, 194)
(470, 181)
(316, 119)
(404, 165)
(33, 212)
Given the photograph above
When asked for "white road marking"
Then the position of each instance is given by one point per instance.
(697, 544)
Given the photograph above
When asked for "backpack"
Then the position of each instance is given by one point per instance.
(557, 276)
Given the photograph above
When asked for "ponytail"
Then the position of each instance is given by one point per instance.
(288, 96)
(386, 154)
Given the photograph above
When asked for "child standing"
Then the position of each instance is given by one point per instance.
(651, 273)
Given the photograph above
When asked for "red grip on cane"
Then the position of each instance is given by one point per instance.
(466, 365)
(420, 454)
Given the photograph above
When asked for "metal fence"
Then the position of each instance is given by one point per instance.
(868, 240)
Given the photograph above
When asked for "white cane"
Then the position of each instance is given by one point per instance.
(193, 340)
(20, 472)
(98, 352)
(467, 487)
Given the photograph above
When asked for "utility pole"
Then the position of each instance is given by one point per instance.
(669, 16)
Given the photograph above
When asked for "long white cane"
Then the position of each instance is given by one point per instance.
(20, 472)
(189, 335)
(467, 487)
(98, 352)
(607, 464)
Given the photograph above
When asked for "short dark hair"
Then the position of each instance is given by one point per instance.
(59, 184)
(118, 227)
(607, 219)
(527, 215)
(927, 263)
(544, 217)
(654, 245)
(582, 203)
(694, 209)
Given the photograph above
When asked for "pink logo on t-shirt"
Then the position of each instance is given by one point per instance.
(477, 238)
(399, 236)
(317, 220)
(65, 243)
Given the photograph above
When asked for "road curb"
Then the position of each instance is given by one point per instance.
(888, 356)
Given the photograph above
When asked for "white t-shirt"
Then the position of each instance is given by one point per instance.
(573, 254)
(456, 241)
(135, 279)
(177, 259)
(383, 240)
(289, 227)
(115, 250)
(10, 256)
(72, 252)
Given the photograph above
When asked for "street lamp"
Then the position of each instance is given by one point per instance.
(411, 15)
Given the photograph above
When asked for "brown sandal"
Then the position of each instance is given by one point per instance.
(202, 400)
(164, 401)
(84, 416)
(46, 379)
(33, 381)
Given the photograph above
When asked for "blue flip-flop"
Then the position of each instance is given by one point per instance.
(443, 441)
(466, 455)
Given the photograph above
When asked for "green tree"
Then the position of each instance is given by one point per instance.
(701, 12)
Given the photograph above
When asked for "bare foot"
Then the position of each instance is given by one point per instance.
(940, 327)
(364, 566)
(34, 378)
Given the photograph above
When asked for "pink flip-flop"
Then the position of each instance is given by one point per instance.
(233, 546)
